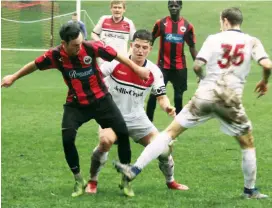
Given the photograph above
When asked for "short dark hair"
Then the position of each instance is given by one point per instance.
(233, 15)
(178, 1)
(74, 14)
(143, 34)
(69, 31)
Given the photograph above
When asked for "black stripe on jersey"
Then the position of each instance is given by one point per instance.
(101, 84)
(58, 59)
(173, 46)
(84, 82)
(116, 31)
(161, 58)
(121, 83)
(154, 32)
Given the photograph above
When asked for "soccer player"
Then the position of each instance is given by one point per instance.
(227, 56)
(81, 25)
(173, 31)
(129, 93)
(115, 30)
(88, 97)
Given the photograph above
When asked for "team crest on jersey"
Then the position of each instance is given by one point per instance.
(182, 29)
(125, 26)
(87, 59)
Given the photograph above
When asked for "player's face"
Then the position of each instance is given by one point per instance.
(174, 8)
(74, 18)
(117, 10)
(72, 48)
(140, 49)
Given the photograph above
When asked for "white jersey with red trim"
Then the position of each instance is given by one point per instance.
(128, 90)
(115, 34)
(228, 55)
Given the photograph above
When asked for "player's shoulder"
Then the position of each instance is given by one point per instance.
(154, 69)
(105, 17)
(127, 20)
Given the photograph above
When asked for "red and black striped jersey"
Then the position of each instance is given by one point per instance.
(81, 72)
(172, 36)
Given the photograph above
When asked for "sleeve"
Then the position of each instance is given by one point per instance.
(158, 86)
(132, 30)
(190, 37)
(107, 53)
(83, 28)
(46, 61)
(156, 32)
(258, 51)
(98, 27)
(205, 52)
(107, 68)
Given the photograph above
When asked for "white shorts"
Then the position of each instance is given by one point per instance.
(202, 107)
(139, 127)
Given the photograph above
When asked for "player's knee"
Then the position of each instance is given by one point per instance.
(68, 136)
(246, 141)
(107, 137)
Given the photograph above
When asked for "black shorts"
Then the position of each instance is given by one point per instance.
(178, 78)
(104, 111)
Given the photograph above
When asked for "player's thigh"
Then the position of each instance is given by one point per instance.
(193, 113)
(109, 116)
(179, 80)
(74, 117)
(234, 120)
(140, 129)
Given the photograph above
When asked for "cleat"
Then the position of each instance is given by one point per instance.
(79, 188)
(176, 186)
(126, 187)
(91, 187)
(253, 194)
(129, 171)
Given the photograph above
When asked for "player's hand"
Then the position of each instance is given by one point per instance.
(171, 111)
(261, 88)
(8, 80)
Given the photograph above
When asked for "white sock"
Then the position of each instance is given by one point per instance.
(153, 150)
(249, 167)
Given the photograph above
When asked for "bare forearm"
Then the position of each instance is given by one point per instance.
(27, 69)
(95, 37)
(198, 68)
(266, 74)
(267, 67)
(193, 52)
(163, 102)
(140, 71)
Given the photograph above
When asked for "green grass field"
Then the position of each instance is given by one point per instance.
(34, 171)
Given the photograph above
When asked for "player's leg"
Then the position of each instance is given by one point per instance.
(73, 118)
(99, 157)
(235, 123)
(179, 81)
(249, 166)
(109, 116)
(189, 117)
(143, 132)
(152, 100)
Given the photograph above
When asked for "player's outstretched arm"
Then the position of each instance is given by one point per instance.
(261, 87)
(8, 80)
(142, 72)
(164, 102)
